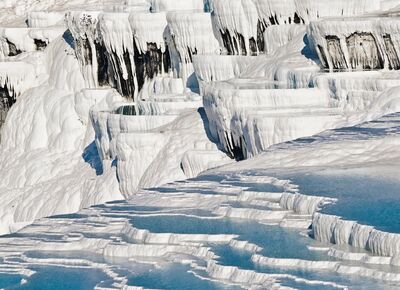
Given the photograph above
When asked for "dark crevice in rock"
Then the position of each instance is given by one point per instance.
(40, 44)
(88, 54)
(12, 49)
(125, 86)
(238, 149)
(227, 39)
(191, 53)
(151, 63)
(7, 99)
(167, 60)
(236, 45)
(253, 46)
(242, 44)
(260, 35)
(391, 52)
(276, 20)
(297, 19)
(102, 64)
(234, 151)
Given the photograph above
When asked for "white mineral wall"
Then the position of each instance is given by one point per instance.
(382, 43)
(149, 28)
(176, 5)
(84, 29)
(135, 152)
(191, 34)
(24, 38)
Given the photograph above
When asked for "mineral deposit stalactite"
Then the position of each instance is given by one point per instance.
(102, 64)
(150, 63)
(125, 83)
(364, 52)
(336, 52)
(394, 62)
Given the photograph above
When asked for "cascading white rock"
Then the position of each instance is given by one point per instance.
(148, 28)
(277, 36)
(176, 5)
(84, 29)
(108, 125)
(361, 43)
(117, 36)
(236, 21)
(135, 152)
(196, 161)
(14, 41)
(45, 19)
(17, 77)
(333, 229)
(191, 33)
(242, 23)
(228, 110)
(211, 68)
(303, 204)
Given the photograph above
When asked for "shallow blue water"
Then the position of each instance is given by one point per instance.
(10, 281)
(60, 278)
(242, 259)
(276, 242)
(174, 277)
(368, 200)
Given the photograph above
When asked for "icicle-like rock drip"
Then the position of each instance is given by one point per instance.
(89, 49)
(14, 41)
(237, 23)
(191, 34)
(242, 24)
(117, 36)
(15, 78)
(357, 44)
(151, 54)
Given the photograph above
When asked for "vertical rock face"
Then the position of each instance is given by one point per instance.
(127, 50)
(88, 47)
(6, 101)
(119, 49)
(364, 52)
(357, 44)
(117, 37)
(151, 63)
(335, 51)
(242, 24)
(394, 62)
(151, 52)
